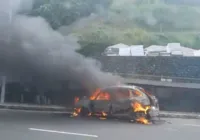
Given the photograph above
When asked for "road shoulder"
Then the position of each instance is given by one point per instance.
(61, 109)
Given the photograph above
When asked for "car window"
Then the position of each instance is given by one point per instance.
(110, 91)
(144, 91)
(103, 96)
(122, 93)
(135, 93)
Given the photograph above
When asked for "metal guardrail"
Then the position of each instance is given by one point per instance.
(160, 78)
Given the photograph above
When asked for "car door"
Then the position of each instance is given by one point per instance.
(121, 101)
(102, 102)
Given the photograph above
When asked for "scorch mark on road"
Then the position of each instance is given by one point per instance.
(63, 132)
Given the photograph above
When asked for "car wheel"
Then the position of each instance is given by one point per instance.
(110, 112)
(148, 116)
(84, 112)
(131, 115)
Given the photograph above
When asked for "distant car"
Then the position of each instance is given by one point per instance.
(121, 100)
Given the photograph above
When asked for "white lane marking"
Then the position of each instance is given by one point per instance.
(62, 132)
(194, 125)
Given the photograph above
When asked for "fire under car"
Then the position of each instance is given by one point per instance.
(123, 100)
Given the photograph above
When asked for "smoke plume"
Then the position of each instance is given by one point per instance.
(32, 51)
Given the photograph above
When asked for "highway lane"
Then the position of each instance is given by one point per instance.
(16, 125)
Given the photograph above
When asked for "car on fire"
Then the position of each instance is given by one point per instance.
(122, 100)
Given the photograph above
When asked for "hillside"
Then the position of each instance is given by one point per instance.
(106, 22)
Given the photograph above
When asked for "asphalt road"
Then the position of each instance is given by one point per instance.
(21, 125)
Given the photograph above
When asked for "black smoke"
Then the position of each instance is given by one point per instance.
(31, 51)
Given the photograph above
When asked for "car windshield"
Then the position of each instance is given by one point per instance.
(144, 91)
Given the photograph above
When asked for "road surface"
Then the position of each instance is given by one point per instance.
(20, 125)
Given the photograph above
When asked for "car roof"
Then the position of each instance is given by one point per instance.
(121, 86)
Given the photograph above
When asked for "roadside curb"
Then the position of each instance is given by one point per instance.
(33, 108)
(64, 110)
(165, 114)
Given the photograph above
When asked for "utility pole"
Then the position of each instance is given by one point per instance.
(3, 89)
(3, 78)
(10, 13)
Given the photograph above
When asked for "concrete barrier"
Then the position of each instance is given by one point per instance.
(184, 115)
(33, 107)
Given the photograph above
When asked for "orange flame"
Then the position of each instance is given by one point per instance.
(89, 114)
(76, 112)
(93, 96)
(137, 107)
(99, 95)
(102, 118)
(138, 93)
(103, 96)
(76, 99)
(142, 120)
(104, 114)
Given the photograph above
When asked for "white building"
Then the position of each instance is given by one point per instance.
(169, 50)
(155, 50)
(114, 50)
(197, 53)
(137, 50)
(124, 50)
(177, 49)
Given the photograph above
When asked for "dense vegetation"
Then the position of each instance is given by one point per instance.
(100, 23)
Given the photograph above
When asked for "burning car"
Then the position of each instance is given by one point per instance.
(123, 100)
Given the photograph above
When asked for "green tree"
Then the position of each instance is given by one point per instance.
(94, 43)
(65, 12)
(147, 22)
